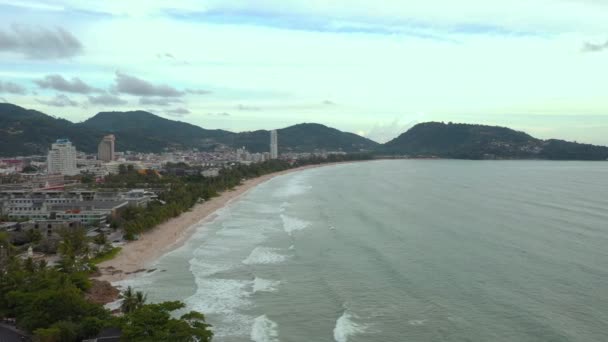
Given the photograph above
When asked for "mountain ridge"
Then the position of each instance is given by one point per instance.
(146, 132)
(28, 132)
(469, 141)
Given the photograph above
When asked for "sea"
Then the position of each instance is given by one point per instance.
(402, 250)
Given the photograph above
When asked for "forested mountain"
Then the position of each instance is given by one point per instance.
(27, 132)
(145, 132)
(305, 137)
(465, 141)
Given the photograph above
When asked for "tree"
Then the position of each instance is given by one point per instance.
(153, 322)
(122, 169)
(33, 236)
(30, 169)
(87, 178)
(7, 251)
(48, 334)
(132, 300)
(100, 239)
(74, 242)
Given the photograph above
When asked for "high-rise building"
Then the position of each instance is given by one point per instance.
(274, 145)
(62, 158)
(105, 149)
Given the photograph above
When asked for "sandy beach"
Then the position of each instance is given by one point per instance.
(137, 255)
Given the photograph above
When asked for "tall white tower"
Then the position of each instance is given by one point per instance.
(62, 158)
(274, 145)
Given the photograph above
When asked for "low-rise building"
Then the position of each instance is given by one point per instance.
(87, 212)
(210, 173)
(51, 227)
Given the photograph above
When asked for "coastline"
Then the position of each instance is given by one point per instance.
(137, 255)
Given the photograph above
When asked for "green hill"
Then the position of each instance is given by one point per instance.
(145, 132)
(29, 132)
(305, 137)
(466, 141)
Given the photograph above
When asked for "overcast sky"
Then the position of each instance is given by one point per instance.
(371, 67)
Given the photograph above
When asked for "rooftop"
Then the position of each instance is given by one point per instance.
(103, 205)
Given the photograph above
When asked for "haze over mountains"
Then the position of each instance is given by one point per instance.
(28, 132)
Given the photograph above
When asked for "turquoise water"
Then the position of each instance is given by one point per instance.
(405, 250)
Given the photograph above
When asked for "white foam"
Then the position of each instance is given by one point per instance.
(223, 297)
(346, 327)
(265, 285)
(264, 330)
(268, 209)
(294, 187)
(417, 322)
(292, 224)
(202, 269)
(115, 305)
(264, 255)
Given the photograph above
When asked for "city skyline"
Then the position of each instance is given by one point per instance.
(371, 70)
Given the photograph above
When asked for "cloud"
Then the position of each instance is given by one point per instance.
(219, 114)
(328, 103)
(158, 101)
(169, 57)
(165, 55)
(107, 100)
(2, 99)
(177, 112)
(39, 43)
(59, 100)
(11, 88)
(248, 108)
(136, 86)
(198, 91)
(57, 82)
(590, 47)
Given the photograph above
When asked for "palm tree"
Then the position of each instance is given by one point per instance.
(127, 300)
(132, 300)
(140, 299)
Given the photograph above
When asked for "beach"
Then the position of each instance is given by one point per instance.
(136, 256)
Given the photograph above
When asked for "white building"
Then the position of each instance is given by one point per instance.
(274, 145)
(62, 158)
(105, 149)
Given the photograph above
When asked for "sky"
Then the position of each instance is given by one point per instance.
(374, 68)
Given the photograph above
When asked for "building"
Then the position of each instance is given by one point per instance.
(274, 145)
(86, 207)
(62, 158)
(105, 149)
(92, 213)
(50, 227)
(210, 173)
(47, 181)
(135, 197)
(242, 155)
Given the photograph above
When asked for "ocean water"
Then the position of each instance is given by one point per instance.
(407, 250)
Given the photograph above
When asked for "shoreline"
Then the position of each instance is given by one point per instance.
(136, 256)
